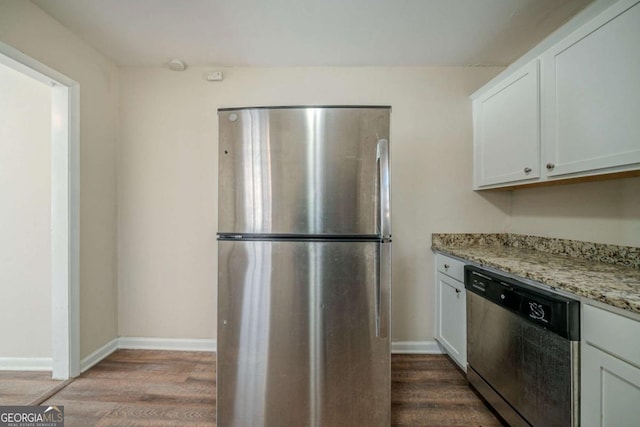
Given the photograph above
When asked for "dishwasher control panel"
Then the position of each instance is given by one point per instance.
(554, 312)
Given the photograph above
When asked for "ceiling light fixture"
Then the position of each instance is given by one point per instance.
(177, 65)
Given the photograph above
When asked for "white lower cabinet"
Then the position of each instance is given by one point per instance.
(451, 309)
(610, 389)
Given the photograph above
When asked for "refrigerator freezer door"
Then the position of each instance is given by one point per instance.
(297, 342)
(300, 171)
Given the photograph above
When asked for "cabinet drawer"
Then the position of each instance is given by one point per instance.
(612, 333)
(451, 267)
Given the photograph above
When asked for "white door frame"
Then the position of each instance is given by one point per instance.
(65, 209)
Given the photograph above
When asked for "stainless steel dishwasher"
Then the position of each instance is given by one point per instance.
(523, 350)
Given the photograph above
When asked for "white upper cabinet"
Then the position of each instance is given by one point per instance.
(571, 111)
(591, 98)
(507, 130)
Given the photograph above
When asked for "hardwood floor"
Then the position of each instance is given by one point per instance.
(26, 388)
(143, 388)
(165, 388)
(428, 390)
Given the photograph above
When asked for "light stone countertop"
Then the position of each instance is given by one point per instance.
(617, 285)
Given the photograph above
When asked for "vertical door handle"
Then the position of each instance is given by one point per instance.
(384, 183)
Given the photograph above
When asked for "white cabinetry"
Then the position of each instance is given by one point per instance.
(592, 96)
(451, 309)
(610, 390)
(569, 111)
(507, 130)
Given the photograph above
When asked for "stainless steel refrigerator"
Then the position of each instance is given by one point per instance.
(304, 262)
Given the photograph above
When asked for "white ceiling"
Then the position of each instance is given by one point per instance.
(313, 32)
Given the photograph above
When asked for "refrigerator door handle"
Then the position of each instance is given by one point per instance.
(383, 291)
(384, 183)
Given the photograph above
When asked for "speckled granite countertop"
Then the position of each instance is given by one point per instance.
(605, 273)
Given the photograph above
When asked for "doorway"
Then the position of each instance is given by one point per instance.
(64, 209)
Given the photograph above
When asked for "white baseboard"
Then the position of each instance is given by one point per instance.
(175, 344)
(25, 363)
(98, 355)
(181, 344)
(416, 347)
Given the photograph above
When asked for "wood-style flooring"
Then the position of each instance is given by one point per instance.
(165, 388)
(26, 388)
(143, 388)
(428, 390)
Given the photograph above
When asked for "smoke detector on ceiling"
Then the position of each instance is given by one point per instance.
(177, 65)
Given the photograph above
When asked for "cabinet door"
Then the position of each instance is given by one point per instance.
(610, 390)
(591, 96)
(451, 321)
(507, 130)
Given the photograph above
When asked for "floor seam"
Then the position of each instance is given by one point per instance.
(50, 393)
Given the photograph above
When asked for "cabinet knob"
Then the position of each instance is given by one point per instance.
(527, 170)
(458, 291)
(446, 266)
(550, 166)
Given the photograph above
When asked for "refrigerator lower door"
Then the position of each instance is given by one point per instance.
(298, 334)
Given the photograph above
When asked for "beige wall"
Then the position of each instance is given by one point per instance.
(157, 209)
(27, 28)
(25, 216)
(162, 196)
(167, 181)
(603, 212)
